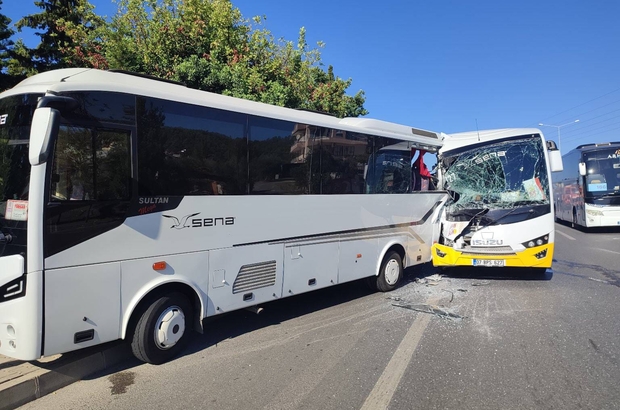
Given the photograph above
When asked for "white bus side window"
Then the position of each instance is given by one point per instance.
(91, 165)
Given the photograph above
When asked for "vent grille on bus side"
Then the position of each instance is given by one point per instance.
(255, 276)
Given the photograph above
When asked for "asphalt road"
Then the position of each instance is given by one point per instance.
(498, 341)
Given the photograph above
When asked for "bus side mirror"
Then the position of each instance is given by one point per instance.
(555, 161)
(582, 169)
(42, 133)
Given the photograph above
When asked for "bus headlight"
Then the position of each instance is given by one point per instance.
(541, 240)
(594, 212)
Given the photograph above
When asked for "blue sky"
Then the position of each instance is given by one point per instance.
(456, 66)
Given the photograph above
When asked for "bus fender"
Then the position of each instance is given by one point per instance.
(156, 287)
(392, 244)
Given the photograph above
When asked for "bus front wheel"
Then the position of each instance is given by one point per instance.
(163, 329)
(390, 273)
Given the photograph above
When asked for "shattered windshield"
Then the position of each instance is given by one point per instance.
(503, 175)
(603, 172)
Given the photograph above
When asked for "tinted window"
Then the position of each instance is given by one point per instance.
(15, 118)
(603, 171)
(193, 150)
(103, 106)
(90, 185)
(190, 150)
(389, 170)
(91, 164)
(330, 161)
(273, 169)
(344, 156)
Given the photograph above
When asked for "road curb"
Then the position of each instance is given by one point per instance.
(60, 373)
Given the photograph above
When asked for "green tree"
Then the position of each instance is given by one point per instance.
(20, 63)
(209, 45)
(65, 28)
(6, 44)
(205, 43)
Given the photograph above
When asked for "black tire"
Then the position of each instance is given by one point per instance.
(390, 273)
(371, 282)
(177, 329)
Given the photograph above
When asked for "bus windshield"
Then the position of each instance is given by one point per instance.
(503, 175)
(603, 172)
(15, 119)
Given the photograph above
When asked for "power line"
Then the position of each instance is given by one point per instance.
(597, 108)
(603, 132)
(602, 115)
(590, 125)
(602, 129)
(582, 104)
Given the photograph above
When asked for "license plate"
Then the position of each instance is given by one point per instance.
(489, 262)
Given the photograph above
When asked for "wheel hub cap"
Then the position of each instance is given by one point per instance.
(169, 328)
(392, 271)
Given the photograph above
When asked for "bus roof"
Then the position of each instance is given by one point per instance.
(86, 79)
(457, 140)
(602, 145)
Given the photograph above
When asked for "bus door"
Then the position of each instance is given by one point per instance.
(89, 192)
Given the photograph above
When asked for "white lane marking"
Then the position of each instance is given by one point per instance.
(599, 280)
(607, 250)
(566, 235)
(381, 394)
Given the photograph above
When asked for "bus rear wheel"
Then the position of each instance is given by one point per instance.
(390, 273)
(163, 329)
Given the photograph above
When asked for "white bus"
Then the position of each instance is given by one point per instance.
(134, 208)
(500, 212)
(587, 191)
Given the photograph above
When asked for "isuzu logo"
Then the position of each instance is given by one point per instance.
(487, 240)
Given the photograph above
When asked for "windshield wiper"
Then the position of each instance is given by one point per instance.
(469, 212)
(484, 211)
(493, 221)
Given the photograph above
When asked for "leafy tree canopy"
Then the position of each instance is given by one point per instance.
(61, 25)
(5, 49)
(206, 44)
